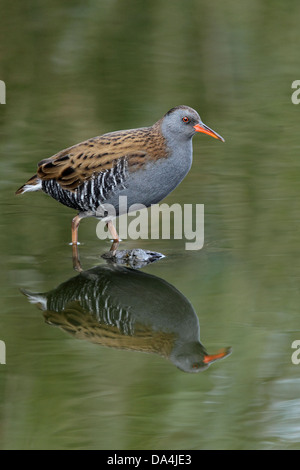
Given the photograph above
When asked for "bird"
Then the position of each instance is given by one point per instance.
(123, 308)
(143, 164)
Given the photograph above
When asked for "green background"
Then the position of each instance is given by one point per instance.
(76, 69)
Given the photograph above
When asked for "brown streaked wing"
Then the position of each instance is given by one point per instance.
(83, 325)
(74, 165)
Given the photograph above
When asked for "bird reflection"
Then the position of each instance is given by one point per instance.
(123, 308)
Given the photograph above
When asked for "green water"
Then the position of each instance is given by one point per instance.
(78, 69)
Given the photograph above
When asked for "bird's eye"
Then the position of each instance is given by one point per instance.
(185, 119)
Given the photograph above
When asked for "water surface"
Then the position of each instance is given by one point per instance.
(77, 70)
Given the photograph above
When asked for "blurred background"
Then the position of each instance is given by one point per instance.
(76, 69)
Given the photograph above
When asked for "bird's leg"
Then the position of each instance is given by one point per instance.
(114, 247)
(75, 254)
(76, 260)
(115, 236)
(75, 225)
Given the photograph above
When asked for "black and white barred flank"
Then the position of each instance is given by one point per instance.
(91, 193)
(90, 296)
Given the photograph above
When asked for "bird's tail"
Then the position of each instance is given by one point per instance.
(33, 184)
(36, 298)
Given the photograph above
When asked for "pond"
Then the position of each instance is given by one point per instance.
(105, 358)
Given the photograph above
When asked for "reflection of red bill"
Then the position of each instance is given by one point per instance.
(209, 358)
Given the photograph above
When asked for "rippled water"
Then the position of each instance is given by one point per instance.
(85, 371)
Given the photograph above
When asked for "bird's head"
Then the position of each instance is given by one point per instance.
(184, 122)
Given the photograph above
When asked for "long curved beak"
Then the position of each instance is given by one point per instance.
(206, 130)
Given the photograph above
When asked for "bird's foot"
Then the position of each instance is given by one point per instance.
(136, 258)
